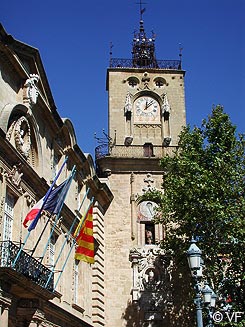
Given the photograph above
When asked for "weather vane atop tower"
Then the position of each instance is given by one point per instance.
(142, 10)
(143, 47)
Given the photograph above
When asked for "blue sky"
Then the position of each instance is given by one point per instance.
(74, 37)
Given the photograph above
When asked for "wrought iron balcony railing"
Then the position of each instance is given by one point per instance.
(130, 63)
(102, 151)
(26, 265)
(133, 151)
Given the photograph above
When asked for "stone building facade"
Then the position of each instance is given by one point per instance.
(146, 109)
(43, 288)
(131, 282)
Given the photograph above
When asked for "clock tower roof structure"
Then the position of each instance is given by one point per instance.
(144, 53)
(146, 109)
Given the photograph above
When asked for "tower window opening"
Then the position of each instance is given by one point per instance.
(148, 150)
(159, 83)
(128, 115)
(133, 82)
(149, 233)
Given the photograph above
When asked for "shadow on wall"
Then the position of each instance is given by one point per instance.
(168, 303)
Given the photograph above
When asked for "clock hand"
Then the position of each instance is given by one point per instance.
(148, 104)
(149, 206)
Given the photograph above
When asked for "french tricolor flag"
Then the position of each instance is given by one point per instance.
(33, 212)
(50, 202)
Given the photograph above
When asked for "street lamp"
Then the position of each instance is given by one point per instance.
(211, 307)
(203, 296)
(194, 257)
(194, 261)
(213, 300)
(207, 294)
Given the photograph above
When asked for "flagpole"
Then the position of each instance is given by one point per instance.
(54, 181)
(60, 203)
(44, 201)
(68, 234)
(40, 236)
(71, 228)
(47, 222)
(73, 243)
(20, 250)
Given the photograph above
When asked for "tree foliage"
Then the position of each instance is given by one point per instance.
(204, 196)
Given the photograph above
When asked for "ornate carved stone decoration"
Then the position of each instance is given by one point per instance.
(166, 141)
(147, 126)
(128, 104)
(29, 200)
(152, 286)
(38, 316)
(21, 133)
(10, 130)
(22, 136)
(165, 106)
(15, 175)
(149, 183)
(145, 80)
(31, 90)
(166, 124)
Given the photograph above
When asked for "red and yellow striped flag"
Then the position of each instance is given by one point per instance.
(85, 239)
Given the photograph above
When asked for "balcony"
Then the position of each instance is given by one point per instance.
(158, 64)
(133, 151)
(26, 266)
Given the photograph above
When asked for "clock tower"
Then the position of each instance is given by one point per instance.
(146, 112)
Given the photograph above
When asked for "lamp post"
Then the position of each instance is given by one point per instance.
(203, 296)
(194, 261)
(211, 307)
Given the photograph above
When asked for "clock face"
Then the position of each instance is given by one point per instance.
(146, 210)
(146, 109)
